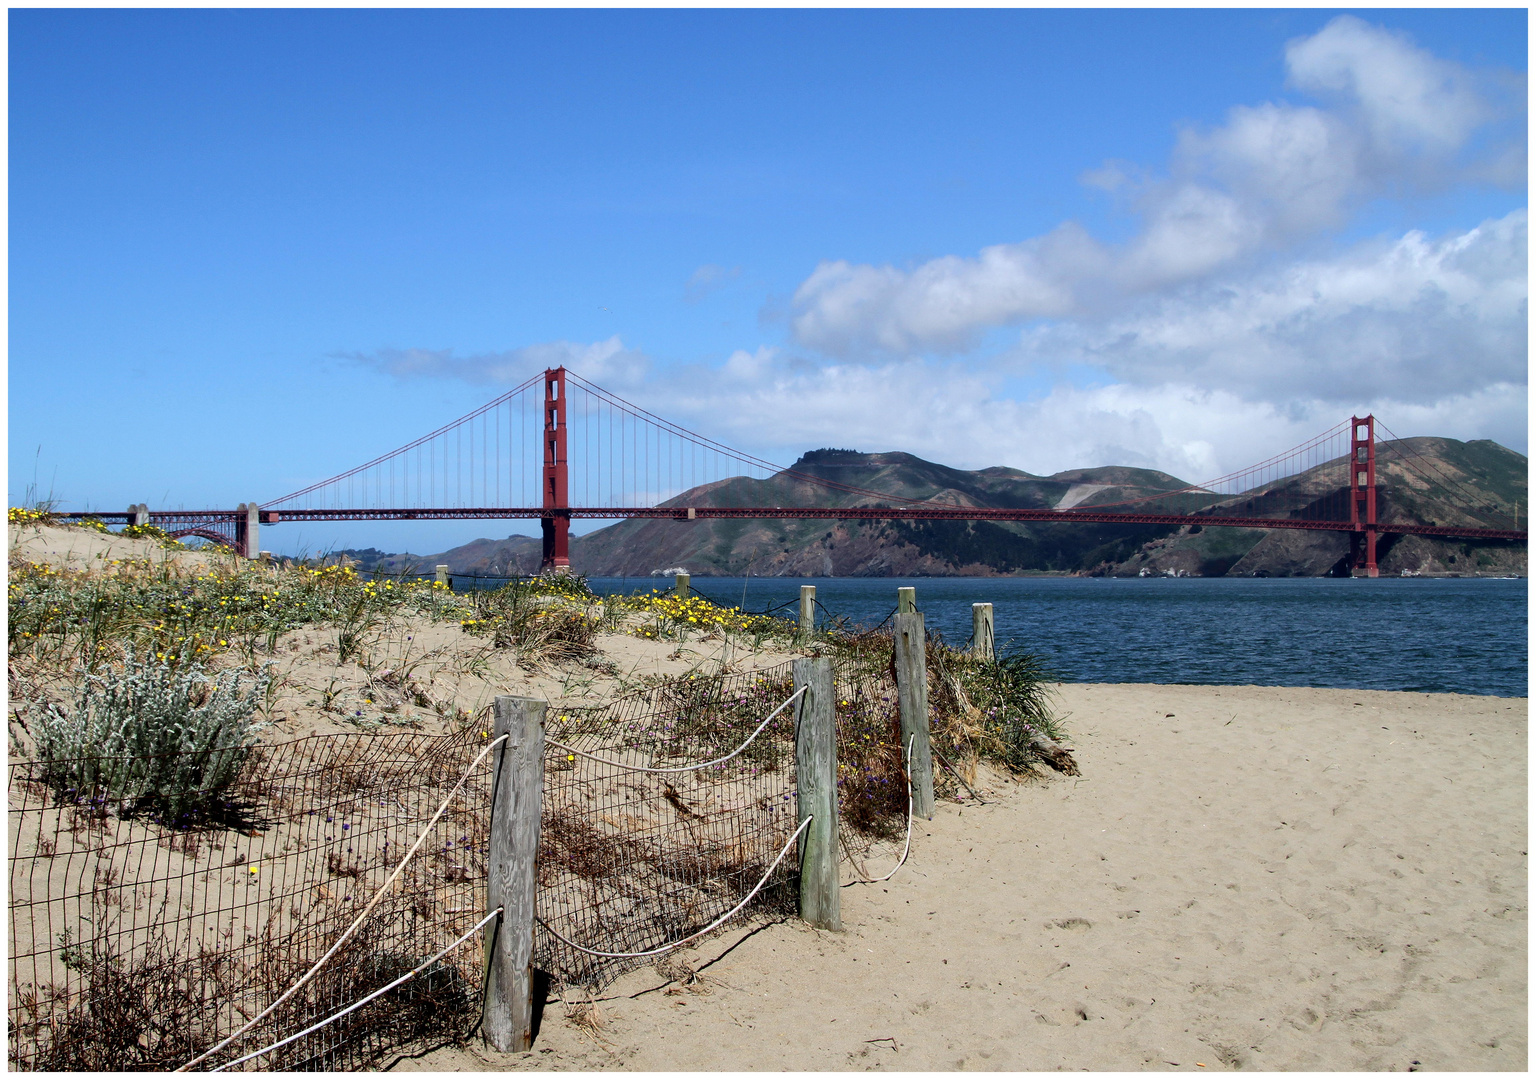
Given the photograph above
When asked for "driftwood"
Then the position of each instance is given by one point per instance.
(1055, 755)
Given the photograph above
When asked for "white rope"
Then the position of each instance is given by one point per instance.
(699, 933)
(360, 1003)
(908, 846)
(684, 768)
(359, 921)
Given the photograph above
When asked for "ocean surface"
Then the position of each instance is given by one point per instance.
(1462, 635)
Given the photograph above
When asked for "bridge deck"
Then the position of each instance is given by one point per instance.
(1076, 516)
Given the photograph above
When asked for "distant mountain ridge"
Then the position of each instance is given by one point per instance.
(848, 548)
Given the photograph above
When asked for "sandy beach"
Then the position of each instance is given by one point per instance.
(1243, 877)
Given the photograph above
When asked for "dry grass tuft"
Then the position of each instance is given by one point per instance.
(585, 1015)
(684, 977)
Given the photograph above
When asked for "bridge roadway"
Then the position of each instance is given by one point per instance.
(181, 519)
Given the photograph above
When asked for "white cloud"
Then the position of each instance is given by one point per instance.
(746, 366)
(1413, 320)
(944, 303)
(1406, 97)
(1397, 119)
(951, 413)
(1291, 170)
(1190, 231)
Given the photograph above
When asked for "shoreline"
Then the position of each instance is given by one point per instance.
(1302, 689)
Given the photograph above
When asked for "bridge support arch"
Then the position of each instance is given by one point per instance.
(204, 533)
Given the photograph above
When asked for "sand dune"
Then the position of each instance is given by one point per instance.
(1244, 877)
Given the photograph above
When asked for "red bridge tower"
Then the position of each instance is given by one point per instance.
(556, 519)
(1362, 496)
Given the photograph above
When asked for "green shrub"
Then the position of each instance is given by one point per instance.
(545, 620)
(980, 710)
(153, 532)
(65, 617)
(162, 733)
(1013, 695)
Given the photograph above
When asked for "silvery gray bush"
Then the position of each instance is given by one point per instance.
(160, 732)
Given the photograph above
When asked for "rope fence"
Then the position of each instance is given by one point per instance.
(680, 942)
(662, 810)
(357, 922)
(328, 902)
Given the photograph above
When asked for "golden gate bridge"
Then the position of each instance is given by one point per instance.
(558, 448)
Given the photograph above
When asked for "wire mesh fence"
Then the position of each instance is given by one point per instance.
(630, 861)
(139, 944)
(871, 772)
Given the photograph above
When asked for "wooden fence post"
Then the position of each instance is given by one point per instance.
(517, 805)
(906, 600)
(912, 695)
(981, 631)
(807, 611)
(680, 586)
(816, 788)
(442, 574)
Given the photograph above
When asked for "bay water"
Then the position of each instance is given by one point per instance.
(1432, 635)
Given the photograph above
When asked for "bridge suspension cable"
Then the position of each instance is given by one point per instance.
(1400, 451)
(628, 457)
(1253, 488)
(557, 447)
(423, 471)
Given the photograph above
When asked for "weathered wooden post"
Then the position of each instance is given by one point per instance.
(807, 611)
(816, 789)
(517, 805)
(442, 574)
(912, 696)
(138, 514)
(906, 600)
(680, 586)
(981, 631)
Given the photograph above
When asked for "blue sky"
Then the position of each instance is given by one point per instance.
(1055, 239)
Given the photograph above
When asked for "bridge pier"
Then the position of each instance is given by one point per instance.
(557, 545)
(1362, 554)
(248, 529)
